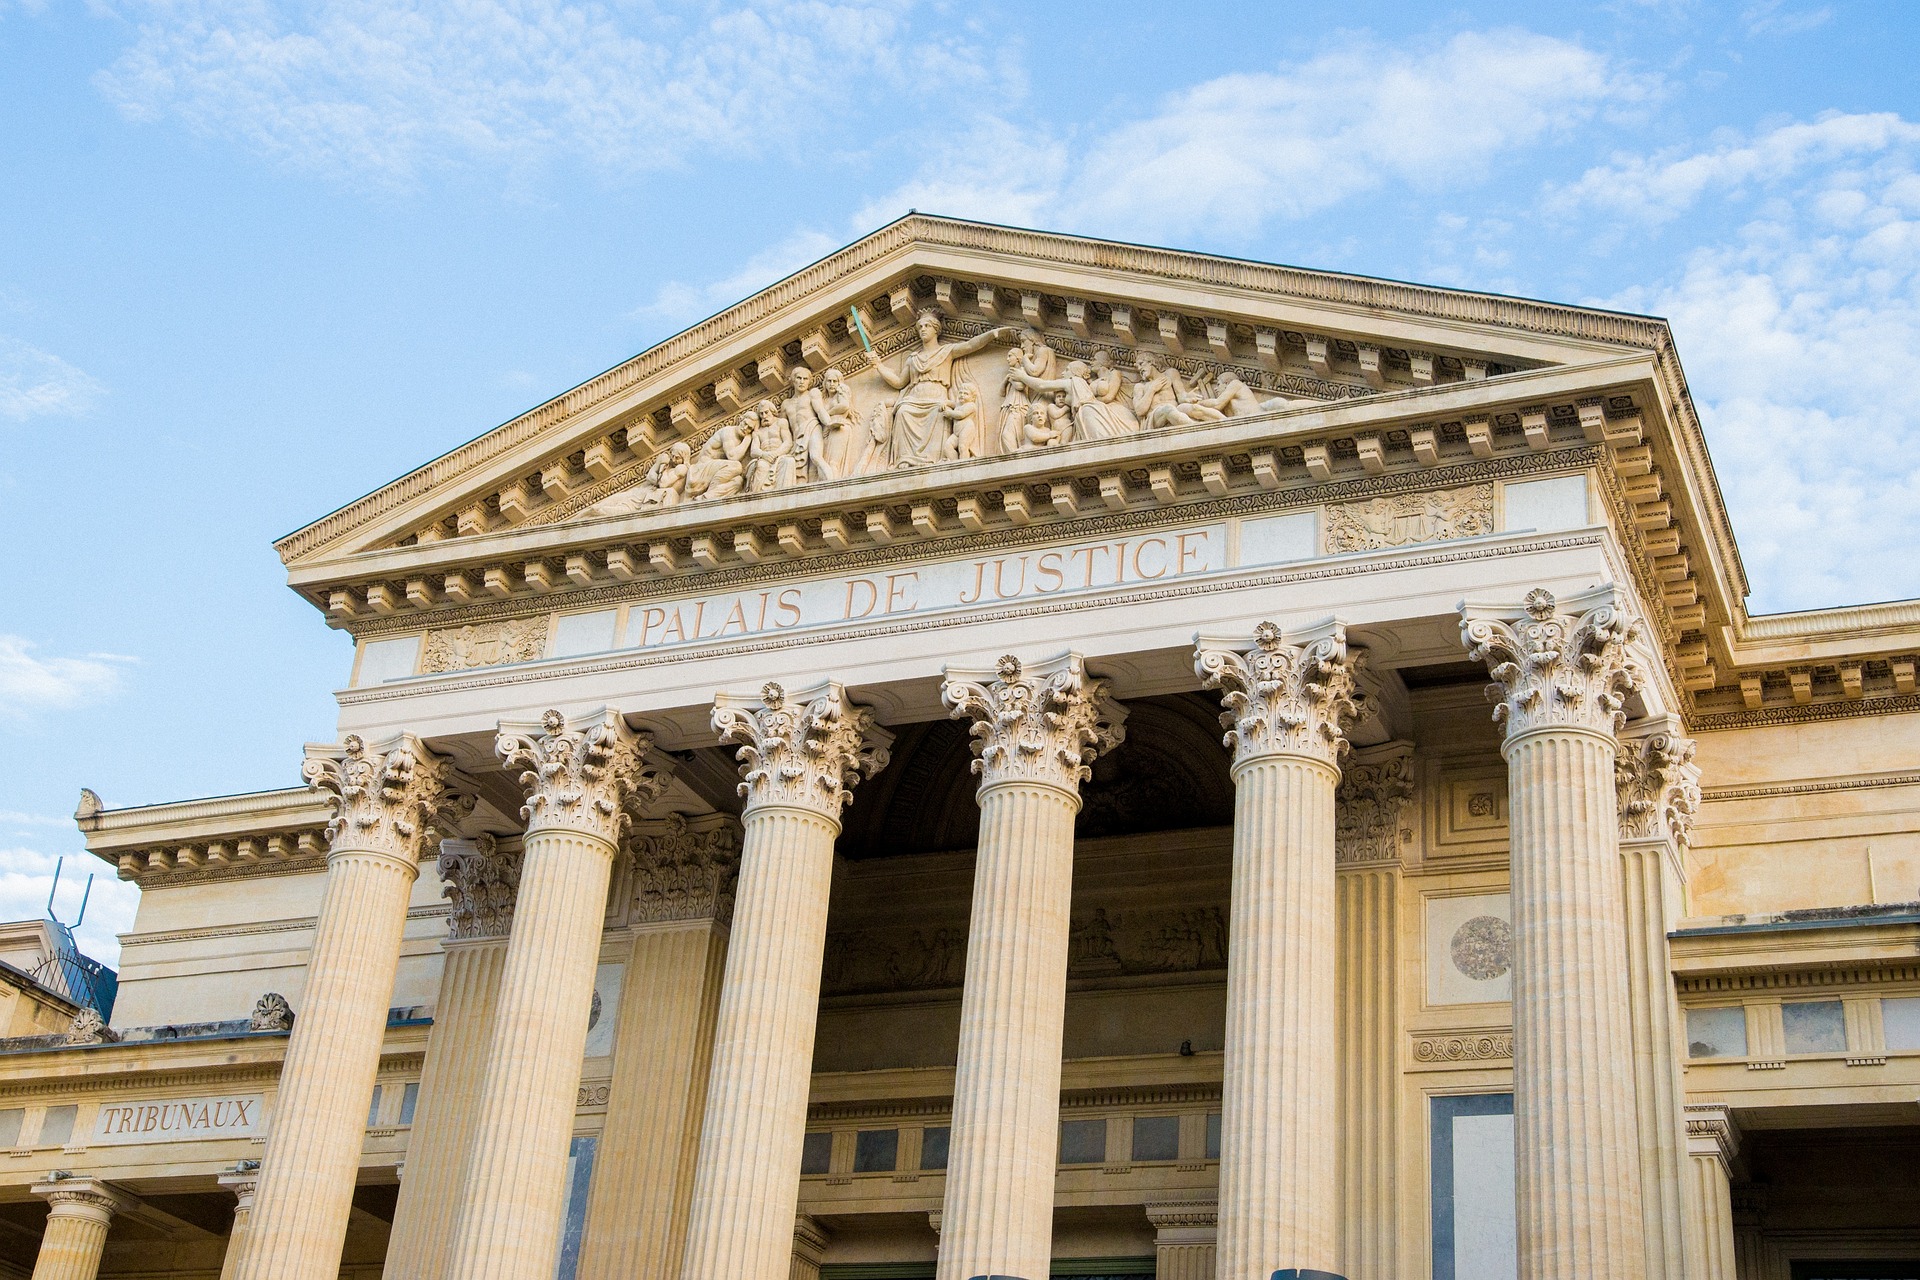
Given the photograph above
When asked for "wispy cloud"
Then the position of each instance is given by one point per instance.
(374, 88)
(36, 384)
(30, 684)
(678, 303)
(1800, 336)
(1774, 18)
(26, 879)
(1240, 151)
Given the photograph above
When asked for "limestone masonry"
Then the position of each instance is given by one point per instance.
(1007, 755)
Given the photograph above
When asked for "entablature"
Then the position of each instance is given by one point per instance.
(262, 831)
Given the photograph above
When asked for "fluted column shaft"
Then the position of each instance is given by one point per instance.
(1367, 1138)
(515, 1182)
(76, 1233)
(319, 1120)
(1712, 1141)
(1006, 1094)
(446, 1113)
(1577, 1171)
(1186, 1235)
(749, 1168)
(243, 1182)
(800, 758)
(1279, 1171)
(1648, 901)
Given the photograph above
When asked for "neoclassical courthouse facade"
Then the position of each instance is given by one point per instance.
(1009, 755)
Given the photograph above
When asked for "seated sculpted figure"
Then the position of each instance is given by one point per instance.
(721, 469)
(770, 458)
(663, 485)
(1236, 399)
(1162, 398)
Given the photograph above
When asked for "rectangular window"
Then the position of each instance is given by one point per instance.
(933, 1147)
(1156, 1137)
(876, 1150)
(816, 1153)
(58, 1126)
(1213, 1136)
(1475, 1236)
(1717, 1033)
(1814, 1026)
(1083, 1141)
(409, 1099)
(373, 1108)
(1900, 1017)
(10, 1126)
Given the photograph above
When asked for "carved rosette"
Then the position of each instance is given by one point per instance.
(680, 873)
(1555, 664)
(390, 799)
(1286, 698)
(1658, 786)
(271, 1012)
(1044, 724)
(588, 775)
(88, 1027)
(1374, 789)
(482, 880)
(806, 750)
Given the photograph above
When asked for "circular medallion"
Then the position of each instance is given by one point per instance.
(1482, 948)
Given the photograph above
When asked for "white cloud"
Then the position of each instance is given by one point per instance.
(390, 87)
(1773, 18)
(1800, 337)
(35, 384)
(29, 684)
(26, 878)
(679, 303)
(1235, 152)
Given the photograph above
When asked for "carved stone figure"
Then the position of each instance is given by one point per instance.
(721, 469)
(1016, 408)
(841, 427)
(963, 423)
(663, 485)
(1093, 417)
(918, 424)
(1110, 386)
(770, 453)
(1236, 399)
(1162, 397)
(810, 421)
(271, 1012)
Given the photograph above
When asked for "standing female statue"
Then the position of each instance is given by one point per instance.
(917, 434)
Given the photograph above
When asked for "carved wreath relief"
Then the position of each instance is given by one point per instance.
(1001, 391)
(486, 644)
(1408, 518)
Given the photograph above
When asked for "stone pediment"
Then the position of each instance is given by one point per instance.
(1032, 342)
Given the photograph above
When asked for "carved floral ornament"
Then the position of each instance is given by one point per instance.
(389, 799)
(805, 751)
(1283, 698)
(1374, 789)
(1553, 669)
(482, 881)
(1045, 725)
(1658, 786)
(680, 873)
(588, 775)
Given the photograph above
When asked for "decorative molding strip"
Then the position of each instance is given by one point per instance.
(290, 924)
(1866, 782)
(1844, 709)
(1889, 975)
(1466, 1047)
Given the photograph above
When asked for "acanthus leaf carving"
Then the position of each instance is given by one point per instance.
(484, 644)
(1658, 786)
(271, 1012)
(1044, 724)
(1283, 697)
(1400, 520)
(1555, 669)
(482, 881)
(389, 799)
(1375, 786)
(589, 775)
(806, 751)
(684, 873)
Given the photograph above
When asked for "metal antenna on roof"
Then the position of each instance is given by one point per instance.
(85, 896)
(60, 862)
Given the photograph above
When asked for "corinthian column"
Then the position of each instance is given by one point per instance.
(242, 1180)
(387, 803)
(481, 880)
(800, 757)
(582, 779)
(1713, 1139)
(1658, 790)
(79, 1212)
(1288, 702)
(1034, 733)
(683, 886)
(1561, 672)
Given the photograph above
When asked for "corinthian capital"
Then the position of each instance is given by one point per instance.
(1555, 664)
(1043, 724)
(1374, 789)
(387, 799)
(805, 750)
(1657, 783)
(1291, 696)
(684, 870)
(587, 775)
(482, 881)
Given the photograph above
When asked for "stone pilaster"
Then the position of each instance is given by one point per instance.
(682, 900)
(1185, 1234)
(1713, 1139)
(1376, 786)
(1289, 700)
(1658, 791)
(800, 757)
(388, 802)
(1561, 671)
(1034, 733)
(583, 780)
(79, 1211)
(242, 1180)
(482, 877)
(809, 1248)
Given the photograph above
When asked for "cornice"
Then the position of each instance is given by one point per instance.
(1361, 295)
(1870, 782)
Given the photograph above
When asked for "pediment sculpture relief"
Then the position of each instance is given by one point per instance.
(915, 401)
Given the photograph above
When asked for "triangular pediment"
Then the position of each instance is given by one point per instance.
(1037, 341)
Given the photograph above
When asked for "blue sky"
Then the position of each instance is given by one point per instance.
(257, 259)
